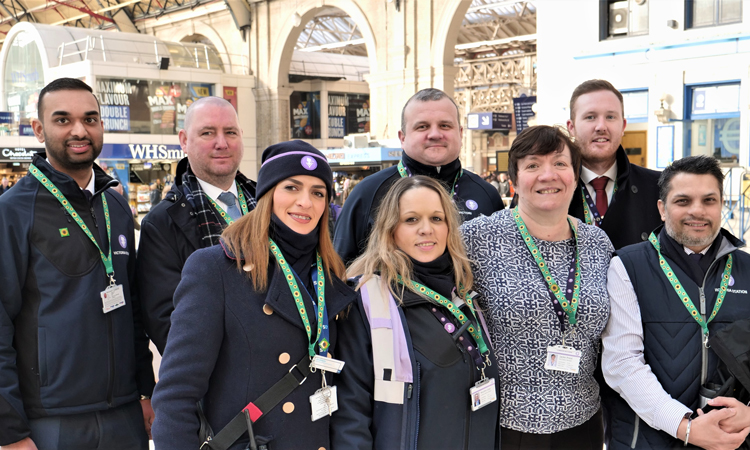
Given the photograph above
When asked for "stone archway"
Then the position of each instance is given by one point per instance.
(273, 91)
(444, 40)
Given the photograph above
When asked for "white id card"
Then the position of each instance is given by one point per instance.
(324, 402)
(482, 394)
(328, 364)
(562, 358)
(112, 298)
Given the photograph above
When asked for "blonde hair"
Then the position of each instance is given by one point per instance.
(383, 257)
(247, 239)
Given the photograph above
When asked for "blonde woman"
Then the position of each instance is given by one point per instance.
(420, 372)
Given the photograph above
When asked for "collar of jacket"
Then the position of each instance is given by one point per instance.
(729, 242)
(446, 174)
(183, 167)
(623, 167)
(66, 183)
(279, 297)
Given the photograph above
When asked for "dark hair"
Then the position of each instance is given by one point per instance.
(63, 84)
(541, 140)
(590, 86)
(696, 165)
(427, 95)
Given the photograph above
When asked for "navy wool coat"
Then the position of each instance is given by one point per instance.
(227, 345)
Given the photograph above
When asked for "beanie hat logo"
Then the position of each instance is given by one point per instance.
(309, 163)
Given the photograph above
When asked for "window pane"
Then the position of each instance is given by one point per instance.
(703, 12)
(730, 11)
(638, 18)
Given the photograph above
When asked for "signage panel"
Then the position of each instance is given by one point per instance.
(142, 151)
(522, 109)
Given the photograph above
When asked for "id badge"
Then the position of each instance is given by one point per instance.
(112, 298)
(330, 365)
(562, 358)
(324, 402)
(482, 394)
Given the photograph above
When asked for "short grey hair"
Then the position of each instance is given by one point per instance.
(213, 100)
(428, 95)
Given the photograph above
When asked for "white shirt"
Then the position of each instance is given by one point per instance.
(213, 192)
(623, 363)
(588, 175)
(90, 187)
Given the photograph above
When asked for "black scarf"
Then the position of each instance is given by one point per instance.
(437, 275)
(446, 174)
(298, 249)
(676, 252)
(210, 223)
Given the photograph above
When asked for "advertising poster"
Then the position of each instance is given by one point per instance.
(305, 111)
(147, 106)
(119, 170)
(337, 108)
(358, 116)
(230, 94)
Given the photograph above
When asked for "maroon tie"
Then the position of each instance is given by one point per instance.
(600, 188)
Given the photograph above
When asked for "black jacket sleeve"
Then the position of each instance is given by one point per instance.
(159, 270)
(351, 425)
(353, 224)
(13, 266)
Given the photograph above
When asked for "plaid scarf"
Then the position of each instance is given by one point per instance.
(210, 223)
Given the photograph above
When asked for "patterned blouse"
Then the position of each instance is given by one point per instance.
(522, 321)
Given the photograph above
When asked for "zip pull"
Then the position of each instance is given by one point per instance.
(93, 214)
(703, 300)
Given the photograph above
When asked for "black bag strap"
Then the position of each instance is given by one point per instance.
(260, 407)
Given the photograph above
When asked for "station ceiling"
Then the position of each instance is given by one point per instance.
(490, 27)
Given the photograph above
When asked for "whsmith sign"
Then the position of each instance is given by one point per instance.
(142, 151)
(18, 153)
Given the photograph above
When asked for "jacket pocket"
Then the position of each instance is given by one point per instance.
(42, 355)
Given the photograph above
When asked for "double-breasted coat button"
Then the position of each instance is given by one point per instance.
(284, 358)
(267, 309)
(644, 236)
(288, 407)
(322, 448)
(634, 189)
(248, 267)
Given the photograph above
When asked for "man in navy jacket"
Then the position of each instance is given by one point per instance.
(75, 369)
(430, 136)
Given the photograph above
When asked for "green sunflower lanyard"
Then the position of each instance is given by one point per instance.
(698, 316)
(570, 307)
(106, 259)
(113, 295)
(434, 297)
(224, 215)
(322, 336)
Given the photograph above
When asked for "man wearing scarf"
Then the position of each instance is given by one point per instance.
(209, 193)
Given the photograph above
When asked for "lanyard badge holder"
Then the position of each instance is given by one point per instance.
(324, 401)
(483, 393)
(561, 358)
(113, 296)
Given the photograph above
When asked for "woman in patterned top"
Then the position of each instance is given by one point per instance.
(541, 276)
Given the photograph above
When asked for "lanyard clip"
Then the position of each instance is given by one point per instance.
(705, 339)
(111, 279)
